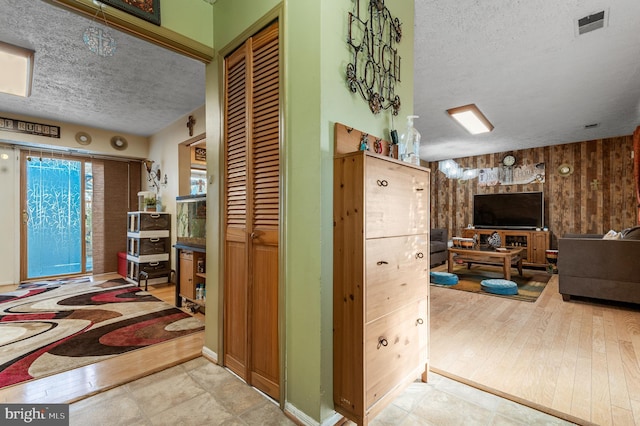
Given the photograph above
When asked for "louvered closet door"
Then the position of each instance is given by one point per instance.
(235, 252)
(252, 211)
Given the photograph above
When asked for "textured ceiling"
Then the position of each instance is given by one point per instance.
(139, 90)
(522, 64)
(519, 61)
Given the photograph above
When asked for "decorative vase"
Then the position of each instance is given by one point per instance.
(494, 240)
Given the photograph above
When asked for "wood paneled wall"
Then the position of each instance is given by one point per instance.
(597, 197)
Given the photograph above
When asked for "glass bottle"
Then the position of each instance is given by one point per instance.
(409, 148)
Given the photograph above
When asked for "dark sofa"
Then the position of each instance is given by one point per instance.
(438, 251)
(590, 266)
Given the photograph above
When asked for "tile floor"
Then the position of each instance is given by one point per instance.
(201, 393)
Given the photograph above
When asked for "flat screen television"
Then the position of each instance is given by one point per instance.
(509, 210)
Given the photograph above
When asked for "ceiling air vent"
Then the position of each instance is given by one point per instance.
(592, 22)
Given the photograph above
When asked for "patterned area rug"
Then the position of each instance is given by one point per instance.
(53, 326)
(530, 285)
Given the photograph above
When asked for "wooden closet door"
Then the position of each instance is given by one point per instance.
(236, 262)
(252, 175)
(265, 213)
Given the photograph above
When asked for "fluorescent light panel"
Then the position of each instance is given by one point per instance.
(16, 64)
(471, 118)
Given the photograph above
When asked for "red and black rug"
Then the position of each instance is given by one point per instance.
(55, 326)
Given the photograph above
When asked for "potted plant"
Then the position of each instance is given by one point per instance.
(150, 204)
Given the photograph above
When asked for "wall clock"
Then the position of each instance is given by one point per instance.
(565, 169)
(509, 160)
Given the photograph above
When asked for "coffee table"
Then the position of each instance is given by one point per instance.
(507, 258)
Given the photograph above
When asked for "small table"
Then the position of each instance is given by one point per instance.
(506, 258)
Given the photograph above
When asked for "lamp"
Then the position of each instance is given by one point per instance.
(16, 64)
(471, 118)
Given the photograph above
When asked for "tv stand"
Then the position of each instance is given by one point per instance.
(535, 243)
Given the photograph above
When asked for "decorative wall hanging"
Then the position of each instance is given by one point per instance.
(119, 143)
(200, 154)
(98, 40)
(19, 126)
(375, 66)
(83, 138)
(527, 173)
(565, 169)
(348, 139)
(149, 10)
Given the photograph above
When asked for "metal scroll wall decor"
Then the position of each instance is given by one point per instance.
(375, 66)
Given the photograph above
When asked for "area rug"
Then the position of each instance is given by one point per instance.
(530, 285)
(53, 326)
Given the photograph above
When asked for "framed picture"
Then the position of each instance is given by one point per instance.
(149, 10)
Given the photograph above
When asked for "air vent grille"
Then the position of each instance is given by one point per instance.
(592, 22)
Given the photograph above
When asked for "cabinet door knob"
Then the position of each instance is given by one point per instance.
(419, 255)
(382, 182)
(419, 321)
(382, 342)
(419, 189)
(383, 262)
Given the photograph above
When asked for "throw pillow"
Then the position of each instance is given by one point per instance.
(612, 235)
(631, 233)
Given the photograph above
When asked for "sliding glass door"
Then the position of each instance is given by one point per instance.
(56, 216)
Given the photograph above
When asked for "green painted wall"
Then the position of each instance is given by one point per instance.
(191, 18)
(316, 96)
(305, 325)
(232, 18)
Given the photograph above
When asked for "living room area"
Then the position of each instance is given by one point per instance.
(576, 358)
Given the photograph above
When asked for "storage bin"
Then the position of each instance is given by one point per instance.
(122, 264)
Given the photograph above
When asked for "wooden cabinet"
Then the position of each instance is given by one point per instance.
(535, 242)
(380, 283)
(191, 273)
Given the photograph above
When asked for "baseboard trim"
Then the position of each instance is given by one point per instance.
(209, 354)
(302, 418)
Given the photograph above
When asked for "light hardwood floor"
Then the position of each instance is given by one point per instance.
(82, 382)
(579, 360)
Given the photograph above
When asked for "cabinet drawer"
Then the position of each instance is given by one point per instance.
(141, 221)
(142, 246)
(397, 271)
(396, 199)
(134, 268)
(395, 346)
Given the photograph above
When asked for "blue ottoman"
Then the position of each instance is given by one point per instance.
(443, 278)
(498, 286)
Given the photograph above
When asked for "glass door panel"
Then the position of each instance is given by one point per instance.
(54, 214)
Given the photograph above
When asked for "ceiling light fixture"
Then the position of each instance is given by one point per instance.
(16, 64)
(471, 118)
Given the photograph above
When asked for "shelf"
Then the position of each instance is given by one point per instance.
(199, 302)
(201, 275)
(535, 243)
